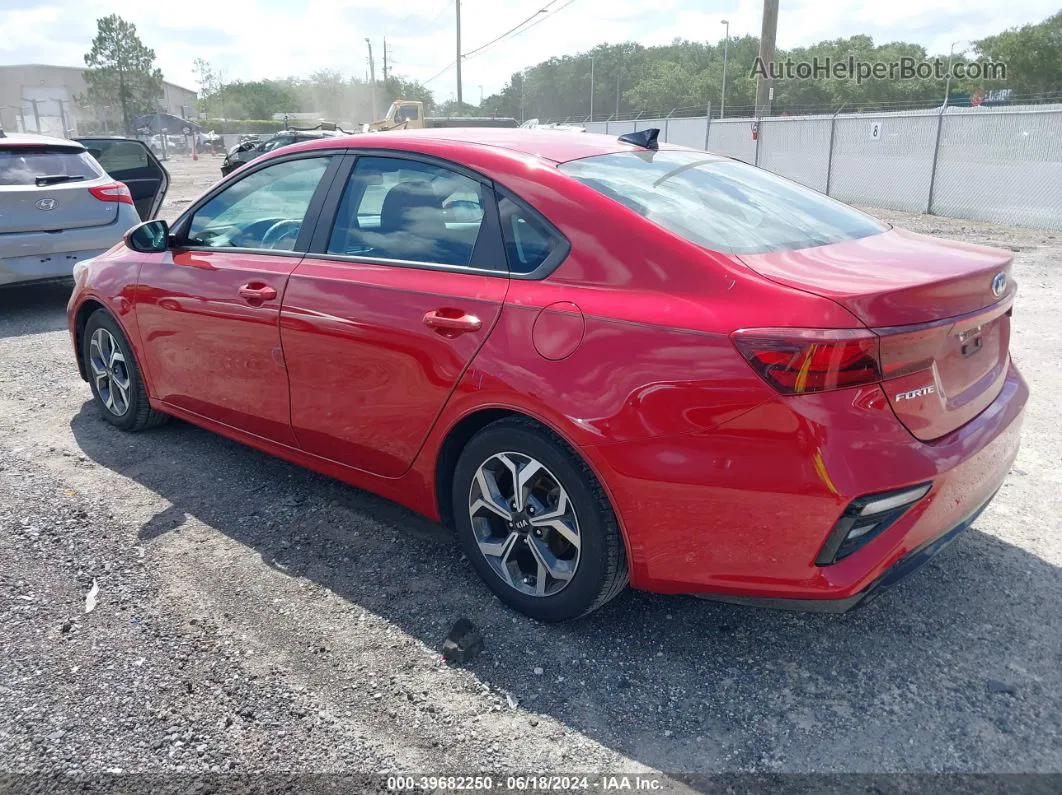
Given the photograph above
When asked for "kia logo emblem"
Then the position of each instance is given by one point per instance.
(999, 284)
(47, 204)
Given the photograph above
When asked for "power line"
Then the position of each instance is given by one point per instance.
(537, 22)
(443, 10)
(544, 9)
(512, 33)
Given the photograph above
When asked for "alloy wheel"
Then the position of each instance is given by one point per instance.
(524, 523)
(109, 372)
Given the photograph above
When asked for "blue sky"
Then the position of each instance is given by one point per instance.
(251, 39)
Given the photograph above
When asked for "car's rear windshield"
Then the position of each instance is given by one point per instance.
(23, 165)
(721, 204)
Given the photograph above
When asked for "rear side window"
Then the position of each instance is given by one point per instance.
(28, 165)
(530, 242)
(409, 211)
(721, 204)
(120, 155)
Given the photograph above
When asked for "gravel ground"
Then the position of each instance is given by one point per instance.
(253, 616)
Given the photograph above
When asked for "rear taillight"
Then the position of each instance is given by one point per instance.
(113, 192)
(799, 361)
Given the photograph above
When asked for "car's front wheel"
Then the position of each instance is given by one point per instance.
(114, 375)
(536, 524)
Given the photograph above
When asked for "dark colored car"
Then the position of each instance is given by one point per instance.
(247, 151)
(598, 360)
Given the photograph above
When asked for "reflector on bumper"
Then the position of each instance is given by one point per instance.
(865, 518)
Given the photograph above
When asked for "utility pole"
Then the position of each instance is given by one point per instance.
(768, 34)
(20, 125)
(617, 94)
(591, 88)
(947, 83)
(726, 48)
(62, 113)
(221, 91)
(36, 113)
(457, 5)
(372, 77)
(385, 60)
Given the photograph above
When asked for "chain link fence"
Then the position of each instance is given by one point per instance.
(989, 164)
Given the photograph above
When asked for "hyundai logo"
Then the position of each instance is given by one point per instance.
(47, 204)
(999, 284)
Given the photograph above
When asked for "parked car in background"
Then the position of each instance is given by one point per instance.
(173, 144)
(62, 201)
(600, 360)
(408, 114)
(247, 151)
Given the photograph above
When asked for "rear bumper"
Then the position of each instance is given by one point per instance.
(907, 565)
(741, 513)
(30, 256)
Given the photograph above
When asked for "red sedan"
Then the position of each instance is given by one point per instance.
(600, 361)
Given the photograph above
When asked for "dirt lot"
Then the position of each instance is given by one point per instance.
(254, 616)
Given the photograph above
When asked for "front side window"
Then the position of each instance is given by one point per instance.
(408, 210)
(276, 143)
(264, 210)
(721, 204)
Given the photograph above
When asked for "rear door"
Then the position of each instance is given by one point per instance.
(379, 325)
(132, 162)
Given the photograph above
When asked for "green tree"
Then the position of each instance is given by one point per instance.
(398, 87)
(1032, 54)
(209, 83)
(257, 99)
(122, 72)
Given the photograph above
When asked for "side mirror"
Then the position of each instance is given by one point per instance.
(150, 237)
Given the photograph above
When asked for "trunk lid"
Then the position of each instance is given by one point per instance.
(940, 308)
(44, 188)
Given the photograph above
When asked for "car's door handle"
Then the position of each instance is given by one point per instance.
(256, 291)
(453, 320)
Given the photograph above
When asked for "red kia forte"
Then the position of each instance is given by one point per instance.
(601, 361)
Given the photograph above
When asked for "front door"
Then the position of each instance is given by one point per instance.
(209, 320)
(378, 328)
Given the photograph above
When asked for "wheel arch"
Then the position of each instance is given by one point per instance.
(84, 312)
(467, 426)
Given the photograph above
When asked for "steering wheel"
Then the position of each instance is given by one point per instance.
(284, 229)
(464, 210)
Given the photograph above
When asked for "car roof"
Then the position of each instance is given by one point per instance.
(310, 133)
(558, 146)
(33, 139)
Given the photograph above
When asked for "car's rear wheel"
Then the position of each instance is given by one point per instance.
(114, 375)
(535, 523)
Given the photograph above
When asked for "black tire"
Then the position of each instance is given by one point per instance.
(601, 573)
(138, 415)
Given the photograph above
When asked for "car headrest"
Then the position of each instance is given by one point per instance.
(412, 207)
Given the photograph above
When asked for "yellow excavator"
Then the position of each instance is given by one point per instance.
(408, 114)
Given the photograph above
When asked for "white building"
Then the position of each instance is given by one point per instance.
(39, 98)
